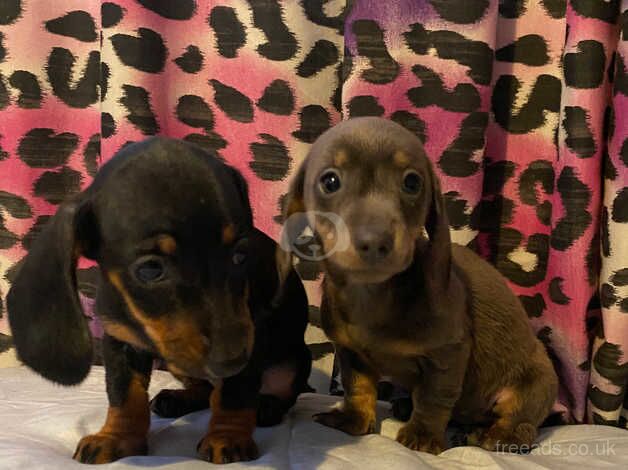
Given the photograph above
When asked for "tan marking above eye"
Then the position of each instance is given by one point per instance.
(341, 158)
(228, 234)
(167, 244)
(401, 159)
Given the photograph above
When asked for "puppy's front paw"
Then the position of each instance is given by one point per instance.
(350, 422)
(104, 448)
(421, 440)
(227, 448)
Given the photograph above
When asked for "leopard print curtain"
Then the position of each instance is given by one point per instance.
(521, 105)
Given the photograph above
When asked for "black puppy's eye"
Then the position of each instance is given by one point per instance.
(330, 181)
(238, 258)
(151, 270)
(240, 252)
(411, 182)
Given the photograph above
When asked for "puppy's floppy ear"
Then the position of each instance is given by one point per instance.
(49, 329)
(438, 256)
(294, 222)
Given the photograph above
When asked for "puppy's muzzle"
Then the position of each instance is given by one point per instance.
(373, 244)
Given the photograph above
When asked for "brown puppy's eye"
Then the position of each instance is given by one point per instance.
(411, 182)
(150, 270)
(330, 181)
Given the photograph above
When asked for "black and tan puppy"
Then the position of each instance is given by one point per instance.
(185, 278)
(396, 302)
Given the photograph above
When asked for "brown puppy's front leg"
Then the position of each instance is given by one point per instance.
(128, 418)
(434, 398)
(357, 415)
(234, 417)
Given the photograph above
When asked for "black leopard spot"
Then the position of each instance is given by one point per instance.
(607, 360)
(620, 277)
(230, 33)
(191, 61)
(593, 260)
(585, 68)
(10, 10)
(104, 80)
(8, 239)
(278, 217)
(179, 10)
(476, 55)
(623, 305)
(210, 141)
(604, 401)
(30, 92)
(107, 125)
(456, 209)
(233, 103)
(314, 120)
(3, 153)
(556, 293)
(512, 8)
(623, 153)
(456, 160)
(41, 148)
(4, 94)
(315, 12)
(3, 51)
(534, 304)
(146, 52)
(610, 70)
(620, 206)
(323, 54)
(600, 9)
(609, 170)
(271, 161)
(91, 155)
(606, 243)
(364, 105)
(75, 24)
(545, 96)
(343, 71)
(575, 196)
(539, 171)
(370, 44)
(496, 175)
(111, 14)
(530, 50)
(555, 8)
(268, 16)
(55, 186)
(608, 125)
(601, 421)
(579, 137)
(59, 68)
(136, 100)
(463, 99)
(506, 241)
(460, 11)
(195, 112)
(15, 205)
(621, 77)
(491, 215)
(411, 122)
(277, 98)
(623, 21)
(29, 238)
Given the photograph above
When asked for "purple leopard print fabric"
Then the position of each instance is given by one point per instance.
(521, 105)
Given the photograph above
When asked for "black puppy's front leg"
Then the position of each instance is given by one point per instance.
(434, 397)
(234, 402)
(128, 418)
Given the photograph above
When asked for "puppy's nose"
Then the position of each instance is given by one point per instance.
(373, 245)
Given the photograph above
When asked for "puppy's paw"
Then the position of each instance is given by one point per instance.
(176, 403)
(504, 439)
(352, 423)
(227, 448)
(421, 440)
(104, 448)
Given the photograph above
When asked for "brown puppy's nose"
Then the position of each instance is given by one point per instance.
(372, 245)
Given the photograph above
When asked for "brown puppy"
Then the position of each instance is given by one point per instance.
(431, 314)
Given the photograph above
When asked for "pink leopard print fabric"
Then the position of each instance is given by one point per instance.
(521, 105)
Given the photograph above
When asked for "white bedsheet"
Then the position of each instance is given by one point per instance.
(40, 424)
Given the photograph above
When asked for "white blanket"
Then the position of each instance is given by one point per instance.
(40, 424)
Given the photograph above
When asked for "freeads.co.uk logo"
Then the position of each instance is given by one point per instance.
(298, 237)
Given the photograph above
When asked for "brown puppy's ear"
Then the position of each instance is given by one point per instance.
(294, 222)
(438, 256)
(49, 329)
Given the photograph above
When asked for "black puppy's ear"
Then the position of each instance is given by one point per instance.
(243, 192)
(438, 256)
(294, 222)
(49, 329)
